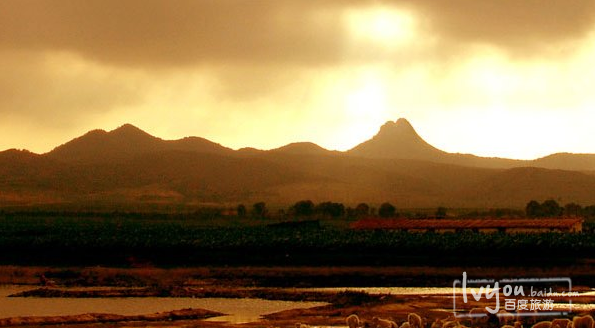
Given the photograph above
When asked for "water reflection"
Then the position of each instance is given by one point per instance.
(238, 310)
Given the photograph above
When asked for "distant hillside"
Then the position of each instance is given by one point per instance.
(567, 161)
(394, 140)
(126, 142)
(179, 177)
(302, 148)
(400, 140)
(510, 186)
(129, 166)
(397, 140)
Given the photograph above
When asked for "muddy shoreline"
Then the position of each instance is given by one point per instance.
(582, 274)
(255, 282)
(337, 298)
(95, 318)
(393, 307)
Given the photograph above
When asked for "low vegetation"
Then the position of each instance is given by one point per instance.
(137, 241)
(302, 234)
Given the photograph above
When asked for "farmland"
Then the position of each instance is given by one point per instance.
(123, 255)
(124, 240)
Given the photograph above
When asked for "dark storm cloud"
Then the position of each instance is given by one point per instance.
(519, 26)
(182, 32)
(246, 49)
(58, 92)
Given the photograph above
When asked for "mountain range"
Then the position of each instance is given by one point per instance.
(130, 166)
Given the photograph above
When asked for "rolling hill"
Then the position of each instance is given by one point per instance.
(130, 166)
(126, 142)
(397, 140)
(400, 140)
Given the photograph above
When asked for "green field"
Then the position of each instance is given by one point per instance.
(170, 240)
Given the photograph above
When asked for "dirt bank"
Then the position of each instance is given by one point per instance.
(376, 276)
(97, 318)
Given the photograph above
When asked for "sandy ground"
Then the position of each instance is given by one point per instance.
(392, 307)
(210, 282)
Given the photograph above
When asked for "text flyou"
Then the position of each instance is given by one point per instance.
(507, 290)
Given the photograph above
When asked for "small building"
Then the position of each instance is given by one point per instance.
(483, 225)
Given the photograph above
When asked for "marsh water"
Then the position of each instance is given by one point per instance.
(236, 310)
(390, 290)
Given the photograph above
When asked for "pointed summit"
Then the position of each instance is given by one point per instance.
(397, 140)
(101, 146)
(302, 148)
(403, 124)
(126, 126)
(126, 142)
(130, 134)
(398, 129)
(128, 129)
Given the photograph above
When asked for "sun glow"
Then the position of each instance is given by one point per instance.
(368, 99)
(387, 26)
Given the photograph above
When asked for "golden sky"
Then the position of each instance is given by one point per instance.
(508, 78)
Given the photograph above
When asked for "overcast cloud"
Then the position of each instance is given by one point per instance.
(218, 68)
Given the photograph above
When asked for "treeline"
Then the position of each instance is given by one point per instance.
(333, 210)
(551, 208)
(42, 241)
(307, 209)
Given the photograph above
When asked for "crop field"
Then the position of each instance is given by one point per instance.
(157, 241)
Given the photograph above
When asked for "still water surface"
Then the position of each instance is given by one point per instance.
(238, 310)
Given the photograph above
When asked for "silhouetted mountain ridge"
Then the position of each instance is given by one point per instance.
(567, 161)
(400, 140)
(397, 140)
(130, 166)
(126, 142)
(302, 148)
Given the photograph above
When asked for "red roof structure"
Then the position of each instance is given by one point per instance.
(559, 223)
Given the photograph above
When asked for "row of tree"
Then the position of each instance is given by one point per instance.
(307, 208)
(551, 208)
